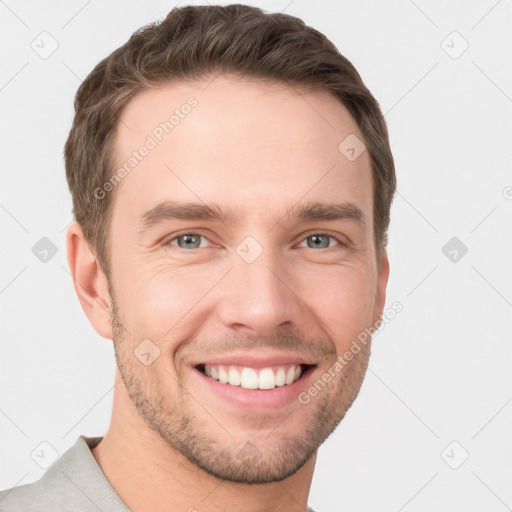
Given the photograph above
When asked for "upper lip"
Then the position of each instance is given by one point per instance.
(255, 360)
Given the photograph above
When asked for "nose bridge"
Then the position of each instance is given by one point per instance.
(259, 295)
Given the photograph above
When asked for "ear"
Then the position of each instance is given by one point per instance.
(382, 282)
(90, 282)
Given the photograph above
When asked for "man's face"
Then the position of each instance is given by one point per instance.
(254, 296)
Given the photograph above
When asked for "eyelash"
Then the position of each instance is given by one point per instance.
(341, 242)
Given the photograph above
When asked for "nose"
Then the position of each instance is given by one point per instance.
(261, 297)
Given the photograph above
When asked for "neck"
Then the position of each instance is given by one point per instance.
(148, 474)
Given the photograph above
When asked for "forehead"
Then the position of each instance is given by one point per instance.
(242, 143)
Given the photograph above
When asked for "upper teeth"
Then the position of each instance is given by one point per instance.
(250, 378)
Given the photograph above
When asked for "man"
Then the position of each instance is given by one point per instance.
(232, 181)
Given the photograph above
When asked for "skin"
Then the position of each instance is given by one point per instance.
(260, 149)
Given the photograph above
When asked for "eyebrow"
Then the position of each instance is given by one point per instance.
(327, 211)
(315, 211)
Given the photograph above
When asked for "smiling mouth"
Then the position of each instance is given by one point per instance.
(255, 378)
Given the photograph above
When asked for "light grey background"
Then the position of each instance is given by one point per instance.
(439, 372)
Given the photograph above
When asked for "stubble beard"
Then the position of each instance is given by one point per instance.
(250, 459)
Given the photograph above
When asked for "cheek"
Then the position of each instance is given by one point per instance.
(167, 303)
(163, 298)
(343, 298)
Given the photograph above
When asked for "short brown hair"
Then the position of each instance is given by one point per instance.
(193, 42)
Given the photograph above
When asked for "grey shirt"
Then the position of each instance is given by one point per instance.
(74, 483)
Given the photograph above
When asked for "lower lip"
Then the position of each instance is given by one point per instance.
(257, 398)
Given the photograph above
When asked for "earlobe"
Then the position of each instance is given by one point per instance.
(89, 281)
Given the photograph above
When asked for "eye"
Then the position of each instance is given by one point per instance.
(314, 241)
(321, 241)
(188, 241)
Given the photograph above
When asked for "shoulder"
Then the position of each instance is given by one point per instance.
(29, 498)
(68, 485)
